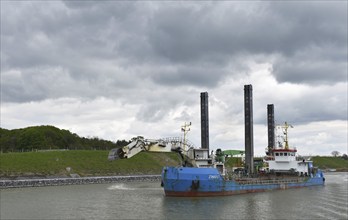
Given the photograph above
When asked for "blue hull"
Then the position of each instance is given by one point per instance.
(193, 182)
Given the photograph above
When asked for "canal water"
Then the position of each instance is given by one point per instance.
(146, 200)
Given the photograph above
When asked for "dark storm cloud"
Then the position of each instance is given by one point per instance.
(321, 29)
(314, 106)
(57, 35)
(190, 75)
(185, 35)
(92, 49)
(297, 70)
(313, 65)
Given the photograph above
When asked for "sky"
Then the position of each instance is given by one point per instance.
(120, 69)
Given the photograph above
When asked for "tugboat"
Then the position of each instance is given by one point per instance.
(284, 171)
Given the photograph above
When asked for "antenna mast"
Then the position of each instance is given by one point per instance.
(285, 127)
(185, 128)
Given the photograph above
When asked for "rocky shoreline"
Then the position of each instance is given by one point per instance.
(19, 183)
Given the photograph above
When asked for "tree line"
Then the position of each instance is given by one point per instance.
(50, 138)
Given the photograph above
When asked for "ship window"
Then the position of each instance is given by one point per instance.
(277, 154)
(285, 154)
(281, 154)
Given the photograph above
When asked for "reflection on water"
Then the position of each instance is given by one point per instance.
(147, 201)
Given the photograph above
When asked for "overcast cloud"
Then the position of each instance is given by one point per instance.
(121, 69)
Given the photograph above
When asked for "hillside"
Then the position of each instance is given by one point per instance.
(81, 162)
(49, 137)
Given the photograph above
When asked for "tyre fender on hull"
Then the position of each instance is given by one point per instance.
(195, 184)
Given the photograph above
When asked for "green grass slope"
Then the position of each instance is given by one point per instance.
(84, 163)
(95, 163)
(331, 163)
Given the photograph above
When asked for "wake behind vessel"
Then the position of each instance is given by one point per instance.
(209, 177)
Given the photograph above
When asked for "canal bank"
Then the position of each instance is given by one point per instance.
(18, 183)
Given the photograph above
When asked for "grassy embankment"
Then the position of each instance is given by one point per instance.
(83, 163)
(337, 163)
(95, 163)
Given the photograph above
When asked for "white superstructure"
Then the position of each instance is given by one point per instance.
(283, 159)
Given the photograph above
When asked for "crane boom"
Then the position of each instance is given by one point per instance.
(139, 144)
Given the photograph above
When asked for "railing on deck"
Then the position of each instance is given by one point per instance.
(272, 181)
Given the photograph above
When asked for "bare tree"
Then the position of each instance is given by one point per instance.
(335, 153)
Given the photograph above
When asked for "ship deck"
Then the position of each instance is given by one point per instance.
(263, 181)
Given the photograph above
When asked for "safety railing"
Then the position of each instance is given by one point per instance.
(272, 181)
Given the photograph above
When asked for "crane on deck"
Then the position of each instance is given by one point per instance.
(139, 144)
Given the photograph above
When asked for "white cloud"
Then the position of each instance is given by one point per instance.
(321, 138)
